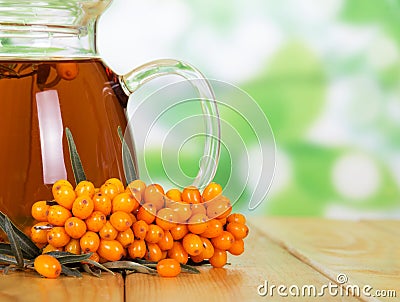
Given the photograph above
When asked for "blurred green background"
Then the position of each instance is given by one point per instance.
(326, 74)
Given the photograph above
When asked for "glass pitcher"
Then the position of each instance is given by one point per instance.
(52, 78)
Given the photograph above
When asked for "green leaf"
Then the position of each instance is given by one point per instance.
(77, 168)
(189, 269)
(129, 265)
(25, 243)
(70, 272)
(13, 242)
(87, 269)
(96, 264)
(127, 161)
(65, 257)
(8, 259)
(5, 248)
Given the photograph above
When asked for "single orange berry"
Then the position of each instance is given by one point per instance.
(211, 191)
(85, 188)
(222, 220)
(108, 232)
(154, 234)
(236, 217)
(137, 249)
(198, 208)
(179, 231)
(137, 188)
(219, 207)
(164, 255)
(166, 242)
(57, 185)
(73, 247)
(95, 257)
(82, 207)
(102, 203)
(116, 182)
(178, 253)
(58, 237)
(133, 217)
(126, 237)
(75, 227)
(174, 194)
(49, 248)
(154, 194)
(191, 195)
(238, 230)
(192, 244)
(219, 258)
(208, 248)
(183, 211)
(47, 266)
(153, 253)
(166, 218)
(198, 258)
(40, 210)
(39, 235)
(67, 71)
(123, 202)
(197, 224)
(57, 215)
(65, 196)
(223, 241)
(89, 242)
(109, 190)
(121, 221)
(168, 268)
(237, 247)
(147, 212)
(140, 229)
(214, 228)
(111, 250)
(96, 221)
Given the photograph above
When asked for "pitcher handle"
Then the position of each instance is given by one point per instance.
(133, 80)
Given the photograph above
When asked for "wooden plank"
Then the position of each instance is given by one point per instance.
(392, 226)
(366, 254)
(262, 260)
(28, 286)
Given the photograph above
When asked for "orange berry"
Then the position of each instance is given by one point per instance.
(168, 268)
(58, 237)
(67, 71)
(123, 202)
(126, 237)
(208, 248)
(137, 249)
(65, 196)
(192, 244)
(39, 235)
(197, 224)
(49, 248)
(174, 194)
(111, 250)
(96, 221)
(121, 221)
(222, 220)
(153, 253)
(40, 210)
(178, 253)
(214, 229)
(154, 194)
(166, 242)
(154, 234)
(219, 258)
(147, 212)
(238, 230)
(82, 207)
(191, 195)
(57, 185)
(47, 266)
(116, 182)
(164, 254)
(219, 207)
(211, 191)
(223, 241)
(133, 217)
(179, 231)
(182, 210)
(109, 190)
(140, 229)
(198, 258)
(237, 247)
(95, 257)
(137, 188)
(89, 242)
(73, 247)
(57, 215)
(102, 203)
(166, 218)
(108, 232)
(75, 227)
(236, 217)
(85, 188)
(198, 208)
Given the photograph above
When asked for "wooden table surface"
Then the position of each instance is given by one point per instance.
(294, 253)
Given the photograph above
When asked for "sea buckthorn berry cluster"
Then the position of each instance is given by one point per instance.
(140, 221)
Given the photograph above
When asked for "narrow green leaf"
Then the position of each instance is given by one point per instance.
(72, 258)
(8, 259)
(70, 272)
(26, 244)
(102, 267)
(87, 269)
(77, 168)
(15, 248)
(129, 265)
(189, 269)
(127, 161)
(5, 248)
